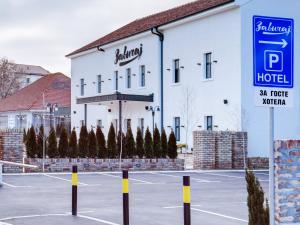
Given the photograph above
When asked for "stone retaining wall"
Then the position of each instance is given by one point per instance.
(219, 149)
(11, 149)
(287, 183)
(258, 163)
(91, 165)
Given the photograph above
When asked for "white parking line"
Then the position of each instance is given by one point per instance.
(178, 206)
(59, 178)
(195, 179)
(221, 175)
(116, 176)
(97, 220)
(14, 186)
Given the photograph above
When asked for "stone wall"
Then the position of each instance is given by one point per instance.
(287, 183)
(258, 163)
(92, 165)
(11, 149)
(219, 149)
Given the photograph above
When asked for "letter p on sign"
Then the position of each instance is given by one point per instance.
(273, 61)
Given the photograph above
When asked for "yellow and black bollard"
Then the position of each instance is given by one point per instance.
(187, 200)
(74, 190)
(125, 190)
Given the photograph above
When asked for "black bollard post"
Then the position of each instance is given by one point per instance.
(74, 190)
(125, 187)
(187, 200)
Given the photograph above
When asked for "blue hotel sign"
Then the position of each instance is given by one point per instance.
(273, 43)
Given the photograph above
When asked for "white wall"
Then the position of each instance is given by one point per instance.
(255, 119)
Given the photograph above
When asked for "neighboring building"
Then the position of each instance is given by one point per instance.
(29, 73)
(192, 64)
(46, 101)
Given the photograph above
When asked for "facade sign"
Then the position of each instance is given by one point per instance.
(128, 55)
(273, 59)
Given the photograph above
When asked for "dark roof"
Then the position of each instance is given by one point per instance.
(56, 88)
(155, 20)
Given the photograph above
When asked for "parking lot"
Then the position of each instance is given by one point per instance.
(217, 198)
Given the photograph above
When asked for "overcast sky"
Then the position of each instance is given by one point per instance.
(42, 32)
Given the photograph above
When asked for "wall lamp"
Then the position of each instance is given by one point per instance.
(215, 61)
(100, 49)
(199, 64)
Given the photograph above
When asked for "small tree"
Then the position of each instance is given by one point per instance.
(156, 143)
(24, 136)
(111, 142)
(58, 130)
(172, 147)
(31, 145)
(40, 142)
(124, 150)
(102, 151)
(148, 144)
(52, 144)
(92, 145)
(140, 151)
(73, 148)
(63, 144)
(83, 142)
(130, 144)
(164, 144)
(258, 213)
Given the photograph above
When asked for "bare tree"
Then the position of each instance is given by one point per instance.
(9, 80)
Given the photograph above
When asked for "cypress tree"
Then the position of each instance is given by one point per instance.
(111, 142)
(124, 150)
(73, 148)
(92, 145)
(156, 143)
(139, 144)
(130, 144)
(148, 144)
(24, 136)
(83, 142)
(31, 145)
(172, 147)
(258, 213)
(52, 144)
(40, 140)
(102, 151)
(63, 143)
(58, 130)
(164, 144)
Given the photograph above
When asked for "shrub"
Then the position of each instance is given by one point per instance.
(73, 148)
(172, 146)
(148, 144)
(129, 143)
(58, 130)
(258, 213)
(63, 143)
(24, 136)
(31, 145)
(102, 151)
(52, 144)
(124, 150)
(139, 144)
(40, 140)
(156, 143)
(92, 145)
(83, 142)
(164, 144)
(111, 142)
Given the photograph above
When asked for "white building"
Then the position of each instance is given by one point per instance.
(194, 63)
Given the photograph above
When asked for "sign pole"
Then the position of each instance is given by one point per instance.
(271, 169)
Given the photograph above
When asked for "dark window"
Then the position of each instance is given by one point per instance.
(176, 71)
(99, 82)
(177, 128)
(141, 125)
(27, 80)
(81, 87)
(116, 80)
(128, 78)
(99, 123)
(208, 74)
(142, 76)
(209, 123)
(82, 122)
(128, 123)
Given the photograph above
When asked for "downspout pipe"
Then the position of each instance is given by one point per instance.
(155, 31)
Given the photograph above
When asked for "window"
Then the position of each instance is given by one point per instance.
(99, 83)
(176, 78)
(99, 123)
(142, 76)
(177, 128)
(208, 74)
(128, 78)
(209, 123)
(21, 121)
(116, 75)
(115, 124)
(127, 124)
(141, 125)
(27, 80)
(3, 122)
(82, 123)
(81, 87)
